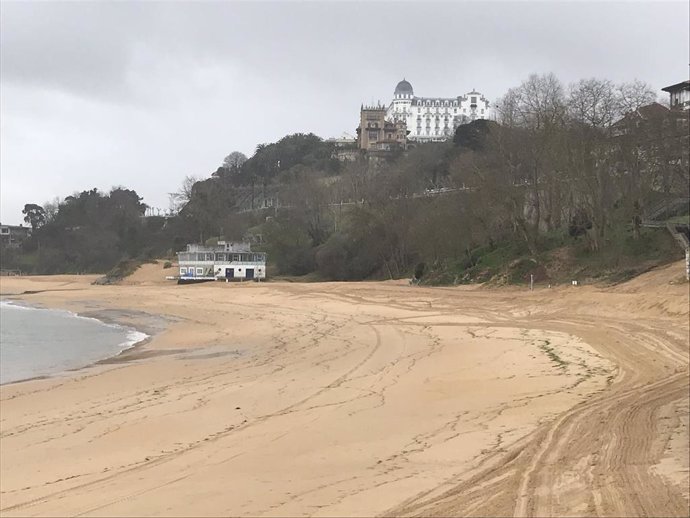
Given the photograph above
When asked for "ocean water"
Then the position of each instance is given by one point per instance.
(40, 342)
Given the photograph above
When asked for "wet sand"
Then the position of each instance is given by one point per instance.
(358, 399)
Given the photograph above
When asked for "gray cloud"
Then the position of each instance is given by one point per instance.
(141, 94)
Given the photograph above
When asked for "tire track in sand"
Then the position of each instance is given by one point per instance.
(131, 470)
(595, 458)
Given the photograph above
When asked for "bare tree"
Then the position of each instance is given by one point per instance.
(234, 161)
(51, 209)
(594, 102)
(540, 102)
(179, 198)
(538, 110)
(596, 106)
(310, 199)
(634, 94)
(506, 108)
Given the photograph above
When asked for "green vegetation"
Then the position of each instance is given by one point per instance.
(680, 220)
(545, 346)
(562, 259)
(556, 189)
(121, 270)
(89, 232)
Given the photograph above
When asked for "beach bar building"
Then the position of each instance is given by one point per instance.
(224, 261)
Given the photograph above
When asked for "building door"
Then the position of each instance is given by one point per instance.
(229, 273)
(250, 273)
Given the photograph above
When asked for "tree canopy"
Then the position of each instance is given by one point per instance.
(578, 162)
(34, 215)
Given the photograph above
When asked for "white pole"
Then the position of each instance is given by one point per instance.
(531, 282)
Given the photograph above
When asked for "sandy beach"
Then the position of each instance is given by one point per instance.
(358, 399)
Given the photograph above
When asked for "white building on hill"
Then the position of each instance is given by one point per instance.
(435, 118)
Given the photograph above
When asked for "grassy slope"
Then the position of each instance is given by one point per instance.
(561, 260)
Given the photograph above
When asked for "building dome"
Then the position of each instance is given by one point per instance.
(404, 88)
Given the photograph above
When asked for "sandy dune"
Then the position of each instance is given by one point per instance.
(359, 399)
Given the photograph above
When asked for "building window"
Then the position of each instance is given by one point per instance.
(373, 135)
(199, 271)
(474, 100)
(183, 271)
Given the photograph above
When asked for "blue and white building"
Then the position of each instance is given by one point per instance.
(225, 261)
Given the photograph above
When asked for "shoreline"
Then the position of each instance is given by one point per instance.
(126, 353)
(359, 399)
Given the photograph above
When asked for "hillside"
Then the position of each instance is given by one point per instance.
(548, 191)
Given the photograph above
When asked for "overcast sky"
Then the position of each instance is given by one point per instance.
(141, 94)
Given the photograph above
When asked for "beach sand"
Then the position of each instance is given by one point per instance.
(358, 399)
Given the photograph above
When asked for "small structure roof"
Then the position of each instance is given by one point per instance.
(652, 110)
(683, 85)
